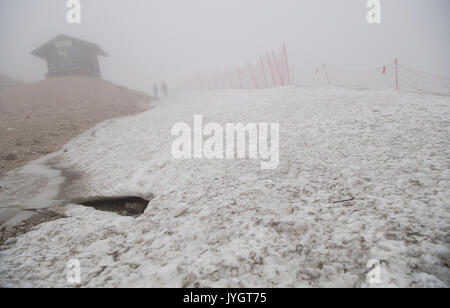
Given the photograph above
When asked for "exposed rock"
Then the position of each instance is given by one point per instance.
(11, 156)
(135, 208)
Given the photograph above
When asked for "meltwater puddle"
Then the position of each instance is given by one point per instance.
(29, 194)
(35, 188)
(28, 190)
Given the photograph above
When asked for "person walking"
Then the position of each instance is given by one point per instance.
(164, 88)
(155, 90)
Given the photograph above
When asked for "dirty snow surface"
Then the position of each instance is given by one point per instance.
(227, 223)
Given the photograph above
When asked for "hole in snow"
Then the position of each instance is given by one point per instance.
(125, 206)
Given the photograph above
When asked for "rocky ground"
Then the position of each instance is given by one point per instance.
(25, 226)
(39, 118)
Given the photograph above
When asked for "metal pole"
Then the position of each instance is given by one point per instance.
(396, 74)
(230, 79)
(287, 64)
(264, 72)
(326, 74)
(271, 70)
(253, 75)
(278, 68)
(240, 79)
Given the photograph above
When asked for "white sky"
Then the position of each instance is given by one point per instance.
(153, 40)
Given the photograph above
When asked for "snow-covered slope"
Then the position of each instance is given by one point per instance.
(228, 223)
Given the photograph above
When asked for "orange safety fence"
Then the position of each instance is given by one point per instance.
(272, 70)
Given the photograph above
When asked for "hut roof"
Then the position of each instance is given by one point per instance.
(41, 51)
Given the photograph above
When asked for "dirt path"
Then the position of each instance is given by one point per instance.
(40, 118)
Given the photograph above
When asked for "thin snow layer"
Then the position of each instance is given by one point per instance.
(227, 223)
(33, 186)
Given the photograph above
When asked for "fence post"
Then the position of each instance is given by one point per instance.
(215, 81)
(396, 74)
(326, 74)
(271, 70)
(240, 79)
(218, 82)
(223, 80)
(278, 68)
(230, 79)
(253, 75)
(293, 76)
(287, 65)
(222, 84)
(211, 81)
(264, 72)
(202, 82)
(205, 81)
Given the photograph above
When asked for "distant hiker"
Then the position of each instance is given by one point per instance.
(164, 88)
(155, 90)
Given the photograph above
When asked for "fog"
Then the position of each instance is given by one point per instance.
(154, 40)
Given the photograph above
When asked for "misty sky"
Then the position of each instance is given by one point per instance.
(153, 40)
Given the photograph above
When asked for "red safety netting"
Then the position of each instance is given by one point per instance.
(313, 78)
(392, 76)
(376, 78)
(410, 79)
(272, 70)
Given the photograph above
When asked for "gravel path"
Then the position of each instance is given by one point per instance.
(39, 118)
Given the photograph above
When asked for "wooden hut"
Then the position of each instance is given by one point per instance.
(67, 55)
